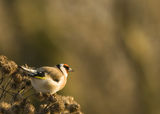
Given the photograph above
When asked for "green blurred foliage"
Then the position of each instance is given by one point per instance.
(113, 45)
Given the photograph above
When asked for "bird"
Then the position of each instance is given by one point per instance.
(48, 79)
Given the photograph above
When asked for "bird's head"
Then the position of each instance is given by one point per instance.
(64, 68)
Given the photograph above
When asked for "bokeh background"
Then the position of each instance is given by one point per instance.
(113, 46)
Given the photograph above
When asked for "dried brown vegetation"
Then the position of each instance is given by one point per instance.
(15, 96)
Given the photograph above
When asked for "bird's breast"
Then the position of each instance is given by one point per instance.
(45, 86)
(62, 82)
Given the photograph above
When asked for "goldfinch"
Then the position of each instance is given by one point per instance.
(48, 79)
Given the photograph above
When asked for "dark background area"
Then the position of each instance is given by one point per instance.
(113, 46)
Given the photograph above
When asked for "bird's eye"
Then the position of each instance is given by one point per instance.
(66, 67)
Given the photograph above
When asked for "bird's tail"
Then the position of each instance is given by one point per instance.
(28, 71)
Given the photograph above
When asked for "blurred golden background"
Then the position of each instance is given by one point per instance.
(113, 46)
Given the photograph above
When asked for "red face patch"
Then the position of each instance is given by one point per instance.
(66, 65)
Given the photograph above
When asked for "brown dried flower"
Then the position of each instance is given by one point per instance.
(4, 107)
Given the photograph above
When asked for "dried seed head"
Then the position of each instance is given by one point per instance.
(4, 107)
(43, 110)
(17, 97)
(43, 106)
(40, 96)
(29, 109)
(68, 100)
(16, 108)
(46, 95)
(71, 105)
(73, 108)
(7, 66)
(52, 99)
(14, 85)
(24, 102)
(57, 107)
(17, 78)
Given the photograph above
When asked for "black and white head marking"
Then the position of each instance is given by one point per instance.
(62, 69)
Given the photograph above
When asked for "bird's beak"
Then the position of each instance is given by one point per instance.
(70, 70)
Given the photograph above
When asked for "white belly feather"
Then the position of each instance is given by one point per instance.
(46, 85)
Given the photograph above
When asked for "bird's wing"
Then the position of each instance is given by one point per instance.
(52, 72)
(33, 73)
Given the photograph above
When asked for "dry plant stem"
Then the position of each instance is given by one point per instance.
(28, 90)
(16, 94)
(30, 95)
(7, 92)
(1, 80)
(47, 107)
(21, 90)
(5, 87)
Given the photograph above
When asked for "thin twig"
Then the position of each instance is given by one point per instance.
(30, 95)
(5, 87)
(47, 107)
(27, 90)
(1, 80)
(9, 92)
